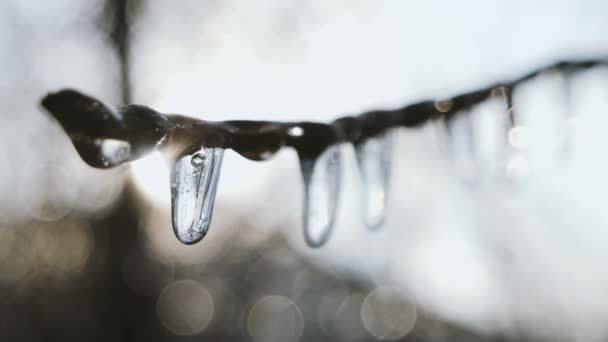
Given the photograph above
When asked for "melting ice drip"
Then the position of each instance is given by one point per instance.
(194, 179)
(322, 179)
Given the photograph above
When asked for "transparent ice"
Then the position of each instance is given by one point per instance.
(194, 179)
(322, 177)
(374, 159)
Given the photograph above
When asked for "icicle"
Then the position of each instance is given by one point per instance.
(461, 138)
(518, 138)
(569, 115)
(194, 179)
(322, 177)
(374, 158)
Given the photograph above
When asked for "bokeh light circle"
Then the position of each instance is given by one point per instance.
(63, 245)
(275, 319)
(185, 307)
(46, 193)
(386, 313)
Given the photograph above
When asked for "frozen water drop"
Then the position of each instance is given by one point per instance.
(322, 177)
(113, 151)
(194, 179)
(374, 158)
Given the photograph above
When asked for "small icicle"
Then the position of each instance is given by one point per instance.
(569, 115)
(374, 158)
(461, 137)
(194, 179)
(322, 178)
(510, 110)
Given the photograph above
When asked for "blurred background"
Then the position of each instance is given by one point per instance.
(492, 233)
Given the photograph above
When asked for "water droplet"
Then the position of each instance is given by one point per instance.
(194, 179)
(295, 131)
(519, 137)
(197, 160)
(374, 158)
(322, 177)
(444, 106)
